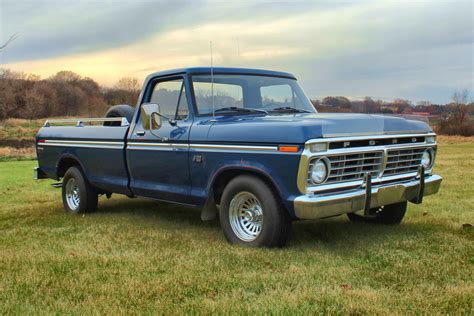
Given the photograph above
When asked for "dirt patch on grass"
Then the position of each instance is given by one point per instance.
(7, 153)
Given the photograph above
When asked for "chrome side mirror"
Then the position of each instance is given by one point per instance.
(151, 119)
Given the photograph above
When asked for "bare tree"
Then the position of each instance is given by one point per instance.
(128, 84)
(460, 107)
(12, 38)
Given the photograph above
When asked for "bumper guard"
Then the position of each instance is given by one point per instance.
(367, 196)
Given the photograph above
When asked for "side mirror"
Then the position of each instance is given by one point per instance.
(150, 114)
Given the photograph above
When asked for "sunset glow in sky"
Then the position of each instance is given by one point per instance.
(419, 50)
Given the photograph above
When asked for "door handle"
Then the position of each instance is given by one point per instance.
(140, 133)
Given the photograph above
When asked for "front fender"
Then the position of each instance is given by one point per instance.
(281, 178)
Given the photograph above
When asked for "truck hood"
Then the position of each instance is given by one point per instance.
(299, 128)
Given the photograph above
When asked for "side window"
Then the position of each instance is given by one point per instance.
(171, 97)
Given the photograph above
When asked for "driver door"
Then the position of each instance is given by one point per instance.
(158, 158)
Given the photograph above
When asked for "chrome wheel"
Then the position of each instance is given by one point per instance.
(73, 196)
(246, 216)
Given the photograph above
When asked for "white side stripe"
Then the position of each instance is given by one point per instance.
(156, 146)
(82, 144)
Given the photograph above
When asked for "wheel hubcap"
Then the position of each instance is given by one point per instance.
(73, 196)
(246, 216)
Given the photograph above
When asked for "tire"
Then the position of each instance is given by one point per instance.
(78, 195)
(121, 110)
(388, 215)
(266, 223)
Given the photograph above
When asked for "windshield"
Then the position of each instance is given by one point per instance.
(232, 93)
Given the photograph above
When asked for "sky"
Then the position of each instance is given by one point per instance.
(416, 50)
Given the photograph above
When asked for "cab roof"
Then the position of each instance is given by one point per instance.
(220, 70)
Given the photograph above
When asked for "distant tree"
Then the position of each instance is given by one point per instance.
(65, 76)
(460, 108)
(400, 105)
(423, 103)
(128, 84)
(370, 106)
(126, 91)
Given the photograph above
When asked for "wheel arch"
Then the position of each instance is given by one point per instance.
(65, 162)
(223, 176)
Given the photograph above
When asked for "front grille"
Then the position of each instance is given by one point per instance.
(376, 142)
(402, 161)
(352, 167)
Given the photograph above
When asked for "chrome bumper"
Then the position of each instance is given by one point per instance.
(313, 206)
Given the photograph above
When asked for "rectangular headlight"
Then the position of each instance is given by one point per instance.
(318, 147)
(430, 139)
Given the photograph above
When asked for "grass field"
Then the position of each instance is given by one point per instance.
(139, 256)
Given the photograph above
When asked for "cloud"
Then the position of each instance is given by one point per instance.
(386, 49)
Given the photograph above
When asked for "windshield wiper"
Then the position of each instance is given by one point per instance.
(290, 110)
(239, 110)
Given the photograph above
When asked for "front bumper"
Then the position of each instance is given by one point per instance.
(313, 206)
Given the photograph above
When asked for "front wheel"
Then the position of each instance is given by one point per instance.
(389, 214)
(251, 214)
(78, 195)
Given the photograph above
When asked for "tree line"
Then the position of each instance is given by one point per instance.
(453, 118)
(66, 93)
(63, 94)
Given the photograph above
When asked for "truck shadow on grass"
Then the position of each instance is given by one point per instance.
(330, 233)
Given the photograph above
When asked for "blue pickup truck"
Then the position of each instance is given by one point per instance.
(246, 145)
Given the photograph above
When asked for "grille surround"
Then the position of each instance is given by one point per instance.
(380, 163)
(418, 140)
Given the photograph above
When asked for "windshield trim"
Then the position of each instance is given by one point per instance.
(193, 96)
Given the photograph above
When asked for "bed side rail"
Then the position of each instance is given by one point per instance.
(79, 122)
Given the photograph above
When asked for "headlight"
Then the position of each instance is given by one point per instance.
(318, 147)
(319, 171)
(430, 139)
(427, 158)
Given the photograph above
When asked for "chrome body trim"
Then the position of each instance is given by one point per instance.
(212, 147)
(314, 206)
(156, 146)
(364, 137)
(80, 121)
(82, 143)
(307, 156)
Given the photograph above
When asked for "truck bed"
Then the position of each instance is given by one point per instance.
(101, 150)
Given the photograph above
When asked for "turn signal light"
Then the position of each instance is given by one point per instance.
(288, 149)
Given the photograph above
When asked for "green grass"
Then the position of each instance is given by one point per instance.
(140, 256)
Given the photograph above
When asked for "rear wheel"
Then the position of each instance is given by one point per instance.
(251, 214)
(388, 214)
(78, 195)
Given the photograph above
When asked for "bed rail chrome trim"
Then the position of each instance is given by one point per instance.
(82, 143)
(80, 121)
